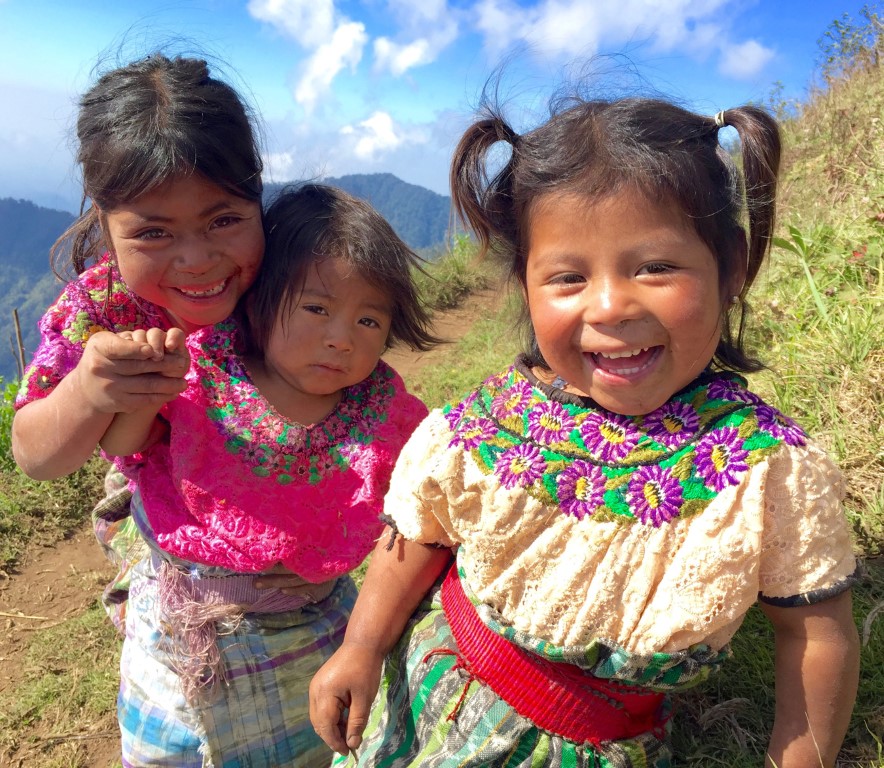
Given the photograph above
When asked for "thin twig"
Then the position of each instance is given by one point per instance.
(867, 624)
(23, 616)
(79, 736)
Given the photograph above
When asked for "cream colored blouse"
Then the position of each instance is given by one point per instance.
(777, 530)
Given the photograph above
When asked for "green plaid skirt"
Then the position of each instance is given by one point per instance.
(430, 713)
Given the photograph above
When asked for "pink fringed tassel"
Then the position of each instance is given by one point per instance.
(191, 624)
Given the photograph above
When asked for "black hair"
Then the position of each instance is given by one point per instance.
(597, 148)
(312, 222)
(145, 122)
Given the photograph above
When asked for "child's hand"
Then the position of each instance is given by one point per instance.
(125, 372)
(341, 694)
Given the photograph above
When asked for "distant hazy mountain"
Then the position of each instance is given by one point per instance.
(27, 232)
(419, 216)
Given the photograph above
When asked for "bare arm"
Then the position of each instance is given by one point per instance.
(58, 434)
(817, 672)
(395, 584)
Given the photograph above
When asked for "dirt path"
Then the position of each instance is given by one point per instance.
(55, 584)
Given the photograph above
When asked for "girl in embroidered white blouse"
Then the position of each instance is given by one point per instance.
(618, 498)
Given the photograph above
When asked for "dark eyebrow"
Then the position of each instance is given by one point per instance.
(212, 209)
(313, 294)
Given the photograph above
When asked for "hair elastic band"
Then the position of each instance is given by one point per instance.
(719, 119)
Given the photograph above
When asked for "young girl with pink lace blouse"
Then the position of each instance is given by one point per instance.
(618, 498)
(275, 459)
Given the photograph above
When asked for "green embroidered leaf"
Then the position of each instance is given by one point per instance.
(693, 507)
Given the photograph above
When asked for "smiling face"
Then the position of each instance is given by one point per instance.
(330, 338)
(623, 297)
(188, 246)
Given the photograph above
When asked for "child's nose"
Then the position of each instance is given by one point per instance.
(610, 301)
(195, 254)
(338, 337)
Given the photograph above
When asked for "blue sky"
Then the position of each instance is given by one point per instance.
(383, 85)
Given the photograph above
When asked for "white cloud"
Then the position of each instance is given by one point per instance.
(333, 40)
(418, 153)
(310, 23)
(373, 136)
(745, 60)
(344, 49)
(400, 58)
(567, 28)
(427, 29)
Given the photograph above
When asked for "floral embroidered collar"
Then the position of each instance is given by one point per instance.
(272, 445)
(565, 450)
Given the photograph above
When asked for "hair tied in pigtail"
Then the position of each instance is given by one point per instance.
(720, 122)
(507, 134)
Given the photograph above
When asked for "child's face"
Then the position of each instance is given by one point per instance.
(188, 246)
(334, 335)
(623, 296)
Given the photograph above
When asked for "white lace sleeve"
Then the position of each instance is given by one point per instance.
(807, 555)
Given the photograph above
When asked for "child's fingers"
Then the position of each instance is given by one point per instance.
(357, 720)
(112, 346)
(327, 718)
(175, 340)
(156, 338)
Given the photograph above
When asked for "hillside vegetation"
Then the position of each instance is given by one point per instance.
(817, 320)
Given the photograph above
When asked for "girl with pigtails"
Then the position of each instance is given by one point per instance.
(583, 533)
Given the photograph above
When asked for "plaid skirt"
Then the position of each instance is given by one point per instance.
(259, 716)
(431, 713)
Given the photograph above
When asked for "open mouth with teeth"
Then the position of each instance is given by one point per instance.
(204, 293)
(626, 362)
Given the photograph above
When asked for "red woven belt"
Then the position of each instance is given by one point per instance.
(559, 698)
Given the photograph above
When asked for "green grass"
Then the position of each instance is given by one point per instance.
(449, 279)
(69, 689)
(489, 346)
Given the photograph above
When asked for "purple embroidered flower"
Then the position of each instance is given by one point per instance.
(608, 438)
(726, 389)
(473, 433)
(549, 423)
(581, 489)
(512, 401)
(498, 379)
(230, 424)
(519, 466)
(721, 459)
(673, 423)
(654, 495)
(779, 425)
(453, 416)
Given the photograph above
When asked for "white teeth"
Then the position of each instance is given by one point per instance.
(616, 355)
(207, 292)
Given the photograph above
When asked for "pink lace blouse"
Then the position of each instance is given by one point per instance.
(236, 485)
